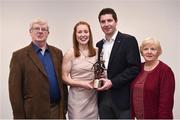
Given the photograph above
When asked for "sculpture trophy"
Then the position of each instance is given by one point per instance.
(99, 68)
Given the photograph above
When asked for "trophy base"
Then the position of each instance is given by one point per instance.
(97, 83)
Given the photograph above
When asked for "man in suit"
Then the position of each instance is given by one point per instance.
(122, 61)
(35, 86)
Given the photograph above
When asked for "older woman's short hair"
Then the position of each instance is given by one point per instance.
(151, 41)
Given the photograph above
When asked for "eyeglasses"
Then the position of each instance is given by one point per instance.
(37, 29)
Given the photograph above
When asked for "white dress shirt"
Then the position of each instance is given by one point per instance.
(107, 48)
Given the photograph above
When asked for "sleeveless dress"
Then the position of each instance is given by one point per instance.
(82, 103)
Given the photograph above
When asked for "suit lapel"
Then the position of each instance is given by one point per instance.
(36, 60)
(115, 48)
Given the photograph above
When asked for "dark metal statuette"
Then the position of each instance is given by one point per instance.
(99, 68)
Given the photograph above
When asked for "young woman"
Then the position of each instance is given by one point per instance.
(77, 73)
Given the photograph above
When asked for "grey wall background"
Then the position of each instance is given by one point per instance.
(141, 18)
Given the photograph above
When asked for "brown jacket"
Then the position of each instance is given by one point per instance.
(29, 86)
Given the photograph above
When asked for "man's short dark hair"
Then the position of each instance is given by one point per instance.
(108, 11)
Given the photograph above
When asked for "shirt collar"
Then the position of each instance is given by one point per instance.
(113, 37)
(37, 49)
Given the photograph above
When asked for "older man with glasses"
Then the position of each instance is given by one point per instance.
(35, 85)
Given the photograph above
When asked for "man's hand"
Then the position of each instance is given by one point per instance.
(107, 84)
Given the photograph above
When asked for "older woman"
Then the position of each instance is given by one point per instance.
(152, 91)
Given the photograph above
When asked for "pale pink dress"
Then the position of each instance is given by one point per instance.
(82, 103)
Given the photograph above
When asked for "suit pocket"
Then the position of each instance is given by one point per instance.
(28, 107)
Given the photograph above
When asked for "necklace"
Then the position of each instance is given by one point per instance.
(84, 53)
